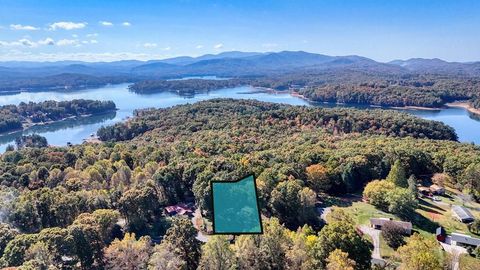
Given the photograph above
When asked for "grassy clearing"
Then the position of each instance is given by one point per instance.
(469, 263)
(362, 212)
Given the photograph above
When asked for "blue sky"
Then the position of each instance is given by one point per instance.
(112, 30)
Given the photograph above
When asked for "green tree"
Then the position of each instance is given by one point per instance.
(14, 253)
(7, 233)
(141, 207)
(376, 193)
(128, 253)
(341, 235)
(182, 235)
(474, 227)
(393, 234)
(397, 175)
(412, 185)
(318, 178)
(217, 254)
(246, 250)
(165, 257)
(401, 202)
(338, 260)
(420, 253)
(293, 204)
(273, 245)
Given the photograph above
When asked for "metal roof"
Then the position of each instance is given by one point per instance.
(462, 212)
(465, 239)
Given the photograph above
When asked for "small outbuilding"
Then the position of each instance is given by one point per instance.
(441, 234)
(462, 214)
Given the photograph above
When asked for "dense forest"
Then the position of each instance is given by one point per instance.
(64, 206)
(183, 87)
(475, 103)
(64, 81)
(381, 89)
(340, 86)
(13, 117)
(335, 121)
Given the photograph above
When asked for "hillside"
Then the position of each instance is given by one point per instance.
(168, 156)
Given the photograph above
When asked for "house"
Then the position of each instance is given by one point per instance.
(437, 190)
(459, 239)
(462, 214)
(179, 209)
(378, 223)
(424, 190)
(441, 234)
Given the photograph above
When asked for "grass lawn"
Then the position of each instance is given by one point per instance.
(469, 263)
(362, 212)
(385, 251)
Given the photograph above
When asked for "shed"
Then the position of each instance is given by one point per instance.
(441, 234)
(462, 214)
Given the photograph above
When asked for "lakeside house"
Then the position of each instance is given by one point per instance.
(179, 209)
(437, 190)
(432, 190)
(462, 214)
(378, 223)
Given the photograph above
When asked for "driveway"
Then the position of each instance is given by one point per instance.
(455, 251)
(375, 234)
(197, 220)
(323, 212)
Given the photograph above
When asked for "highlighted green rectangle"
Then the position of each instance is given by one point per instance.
(235, 207)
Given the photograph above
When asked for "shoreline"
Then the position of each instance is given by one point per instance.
(463, 105)
(27, 125)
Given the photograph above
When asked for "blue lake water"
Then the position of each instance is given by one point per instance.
(75, 130)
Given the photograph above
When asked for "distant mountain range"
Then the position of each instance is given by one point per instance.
(233, 64)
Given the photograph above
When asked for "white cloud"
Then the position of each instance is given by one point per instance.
(199, 46)
(75, 36)
(47, 41)
(167, 48)
(67, 42)
(92, 35)
(218, 46)
(18, 55)
(67, 25)
(93, 41)
(105, 23)
(150, 45)
(25, 42)
(22, 27)
(126, 24)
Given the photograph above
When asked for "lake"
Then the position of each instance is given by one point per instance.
(75, 130)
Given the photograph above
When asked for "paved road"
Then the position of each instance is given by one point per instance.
(195, 220)
(375, 234)
(323, 212)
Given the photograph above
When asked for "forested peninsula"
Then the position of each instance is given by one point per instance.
(15, 117)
